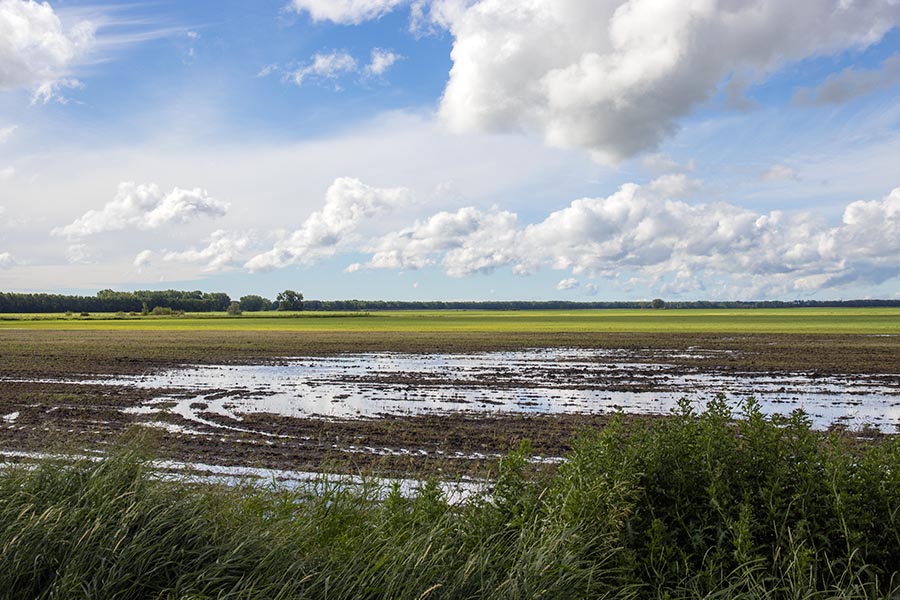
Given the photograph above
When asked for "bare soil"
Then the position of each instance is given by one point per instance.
(55, 416)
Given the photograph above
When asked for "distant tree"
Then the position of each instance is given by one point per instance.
(289, 300)
(658, 303)
(253, 303)
(234, 309)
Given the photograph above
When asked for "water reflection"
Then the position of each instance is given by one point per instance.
(541, 380)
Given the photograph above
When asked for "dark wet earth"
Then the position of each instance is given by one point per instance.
(403, 412)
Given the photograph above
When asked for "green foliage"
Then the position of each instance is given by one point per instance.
(254, 303)
(289, 300)
(234, 309)
(694, 506)
(112, 301)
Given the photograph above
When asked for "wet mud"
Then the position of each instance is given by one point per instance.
(410, 405)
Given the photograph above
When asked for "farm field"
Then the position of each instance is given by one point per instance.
(720, 321)
(72, 381)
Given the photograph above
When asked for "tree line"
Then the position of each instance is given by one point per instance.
(145, 301)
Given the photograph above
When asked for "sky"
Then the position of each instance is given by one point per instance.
(452, 149)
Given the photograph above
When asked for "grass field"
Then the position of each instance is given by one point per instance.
(773, 321)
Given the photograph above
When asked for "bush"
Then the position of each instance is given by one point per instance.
(692, 506)
(161, 311)
(234, 309)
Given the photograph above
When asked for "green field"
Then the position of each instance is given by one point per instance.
(793, 320)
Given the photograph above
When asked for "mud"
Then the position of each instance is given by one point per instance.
(440, 416)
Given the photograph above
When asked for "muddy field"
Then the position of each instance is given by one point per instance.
(66, 389)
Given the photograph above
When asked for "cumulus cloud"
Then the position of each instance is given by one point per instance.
(381, 60)
(626, 71)
(36, 51)
(225, 248)
(345, 12)
(851, 83)
(778, 173)
(567, 284)
(6, 260)
(348, 204)
(7, 173)
(144, 206)
(466, 241)
(671, 244)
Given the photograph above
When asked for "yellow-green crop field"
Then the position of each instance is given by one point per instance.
(871, 321)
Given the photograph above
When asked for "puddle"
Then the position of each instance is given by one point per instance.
(455, 492)
(530, 381)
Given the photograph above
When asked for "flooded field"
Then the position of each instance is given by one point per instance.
(403, 404)
(547, 381)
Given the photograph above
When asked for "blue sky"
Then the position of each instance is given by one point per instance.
(452, 149)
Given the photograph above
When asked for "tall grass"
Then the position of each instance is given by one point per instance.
(694, 506)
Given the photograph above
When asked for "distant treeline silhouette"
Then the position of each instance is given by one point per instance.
(111, 301)
(196, 301)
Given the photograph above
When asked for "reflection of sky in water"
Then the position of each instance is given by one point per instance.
(545, 381)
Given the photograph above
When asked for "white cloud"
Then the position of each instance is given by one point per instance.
(333, 65)
(143, 259)
(144, 206)
(670, 244)
(6, 260)
(466, 241)
(7, 132)
(327, 65)
(567, 284)
(268, 70)
(778, 173)
(851, 83)
(381, 61)
(346, 12)
(225, 248)
(51, 91)
(7, 173)
(348, 203)
(626, 71)
(35, 50)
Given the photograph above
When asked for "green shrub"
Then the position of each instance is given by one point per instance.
(696, 505)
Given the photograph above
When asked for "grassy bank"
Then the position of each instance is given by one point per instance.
(687, 507)
(781, 321)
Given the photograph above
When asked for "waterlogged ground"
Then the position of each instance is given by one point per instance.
(548, 381)
(407, 403)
